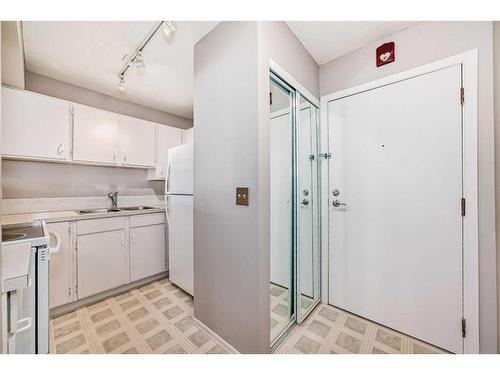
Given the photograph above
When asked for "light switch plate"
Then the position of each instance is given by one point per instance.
(242, 196)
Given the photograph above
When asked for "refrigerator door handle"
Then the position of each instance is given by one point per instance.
(166, 213)
(167, 177)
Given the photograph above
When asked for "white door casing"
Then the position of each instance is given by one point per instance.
(373, 204)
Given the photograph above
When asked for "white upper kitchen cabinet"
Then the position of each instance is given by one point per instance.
(35, 126)
(96, 135)
(166, 137)
(138, 142)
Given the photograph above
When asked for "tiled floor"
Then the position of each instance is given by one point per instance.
(331, 330)
(156, 318)
(280, 309)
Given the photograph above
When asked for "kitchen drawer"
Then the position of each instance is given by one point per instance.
(100, 225)
(147, 219)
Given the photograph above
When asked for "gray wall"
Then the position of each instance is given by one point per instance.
(226, 237)
(424, 43)
(26, 179)
(12, 54)
(231, 113)
(58, 89)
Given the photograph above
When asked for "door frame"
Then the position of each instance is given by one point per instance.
(470, 249)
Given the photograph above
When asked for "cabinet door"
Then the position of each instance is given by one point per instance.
(34, 125)
(61, 289)
(102, 262)
(167, 137)
(138, 142)
(95, 135)
(147, 251)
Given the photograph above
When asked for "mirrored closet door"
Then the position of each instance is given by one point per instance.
(294, 208)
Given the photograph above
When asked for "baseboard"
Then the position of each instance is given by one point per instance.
(219, 340)
(61, 310)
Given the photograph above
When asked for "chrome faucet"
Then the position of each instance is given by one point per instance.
(114, 199)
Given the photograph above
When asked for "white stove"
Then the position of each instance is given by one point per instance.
(24, 288)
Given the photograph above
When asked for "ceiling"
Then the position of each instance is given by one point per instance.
(89, 55)
(327, 40)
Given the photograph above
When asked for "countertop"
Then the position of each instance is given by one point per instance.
(59, 216)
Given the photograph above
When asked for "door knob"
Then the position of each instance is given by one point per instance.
(337, 203)
(305, 202)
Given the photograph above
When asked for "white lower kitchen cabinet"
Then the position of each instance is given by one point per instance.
(147, 251)
(35, 126)
(61, 290)
(103, 259)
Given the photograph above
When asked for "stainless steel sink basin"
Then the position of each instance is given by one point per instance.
(137, 208)
(97, 211)
(12, 236)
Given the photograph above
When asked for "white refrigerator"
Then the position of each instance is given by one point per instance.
(179, 213)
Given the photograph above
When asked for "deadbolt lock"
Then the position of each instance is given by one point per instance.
(336, 193)
(305, 192)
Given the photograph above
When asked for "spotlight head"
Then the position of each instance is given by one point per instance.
(169, 29)
(121, 85)
(138, 60)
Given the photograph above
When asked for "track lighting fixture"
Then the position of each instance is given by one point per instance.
(121, 84)
(137, 58)
(169, 29)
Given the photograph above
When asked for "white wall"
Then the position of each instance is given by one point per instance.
(231, 117)
(62, 90)
(424, 43)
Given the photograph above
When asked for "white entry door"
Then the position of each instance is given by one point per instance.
(395, 253)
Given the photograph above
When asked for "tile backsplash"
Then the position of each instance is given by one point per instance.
(31, 205)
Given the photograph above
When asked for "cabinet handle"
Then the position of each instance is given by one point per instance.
(60, 149)
(125, 158)
(123, 240)
(114, 155)
(133, 239)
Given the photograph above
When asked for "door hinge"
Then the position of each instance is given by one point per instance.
(326, 155)
(69, 292)
(462, 96)
(69, 229)
(462, 206)
(464, 324)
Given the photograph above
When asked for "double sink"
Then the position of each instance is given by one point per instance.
(109, 210)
